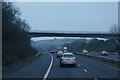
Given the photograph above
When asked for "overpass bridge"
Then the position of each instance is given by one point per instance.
(37, 33)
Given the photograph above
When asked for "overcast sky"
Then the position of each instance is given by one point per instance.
(69, 16)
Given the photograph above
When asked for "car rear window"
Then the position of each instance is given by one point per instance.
(60, 52)
(68, 56)
(104, 51)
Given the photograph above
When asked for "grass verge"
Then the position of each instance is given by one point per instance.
(15, 67)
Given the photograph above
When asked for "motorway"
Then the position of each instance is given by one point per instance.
(86, 68)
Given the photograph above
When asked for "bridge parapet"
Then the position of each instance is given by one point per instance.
(107, 35)
(79, 32)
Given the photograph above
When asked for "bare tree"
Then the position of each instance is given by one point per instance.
(114, 29)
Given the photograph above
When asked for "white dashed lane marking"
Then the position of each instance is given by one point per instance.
(78, 64)
(85, 70)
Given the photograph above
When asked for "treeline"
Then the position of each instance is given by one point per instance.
(93, 45)
(15, 40)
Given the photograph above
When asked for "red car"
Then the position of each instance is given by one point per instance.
(53, 51)
(65, 51)
(104, 53)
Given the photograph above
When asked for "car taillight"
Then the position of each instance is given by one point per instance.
(73, 58)
(62, 58)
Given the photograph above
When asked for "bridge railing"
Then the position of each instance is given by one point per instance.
(82, 32)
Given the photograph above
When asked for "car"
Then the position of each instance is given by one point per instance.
(65, 51)
(68, 59)
(85, 51)
(104, 53)
(59, 54)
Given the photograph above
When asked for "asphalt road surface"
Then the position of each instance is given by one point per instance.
(86, 68)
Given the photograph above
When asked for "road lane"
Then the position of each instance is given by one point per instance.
(49, 68)
(97, 69)
(67, 72)
(36, 69)
(86, 68)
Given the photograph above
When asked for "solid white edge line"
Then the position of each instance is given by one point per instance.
(48, 71)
